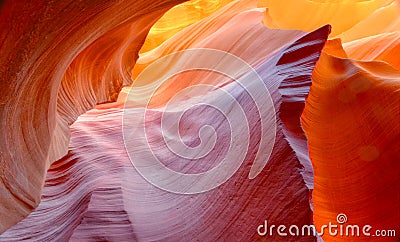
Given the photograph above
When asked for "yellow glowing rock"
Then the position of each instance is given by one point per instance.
(383, 47)
(383, 20)
(189, 37)
(308, 15)
(178, 18)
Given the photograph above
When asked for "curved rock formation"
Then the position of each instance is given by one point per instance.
(201, 137)
(58, 59)
(178, 18)
(96, 193)
(310, 14)
(352, 124)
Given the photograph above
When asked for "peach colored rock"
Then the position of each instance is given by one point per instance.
(352, 124)
(95, 192)
(58, 59)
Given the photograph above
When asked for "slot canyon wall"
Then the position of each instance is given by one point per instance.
(171, 120)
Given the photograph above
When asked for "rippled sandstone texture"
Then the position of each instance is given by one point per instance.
(104, 197)
(352, 115)
(352, 124)
(58, 59)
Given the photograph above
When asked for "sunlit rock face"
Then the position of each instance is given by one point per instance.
(352, 124)
(106, 193)
(351, 119)
(235, 113)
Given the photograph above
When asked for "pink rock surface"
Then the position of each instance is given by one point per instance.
(95, 193)
(207, 143)
(55, 65)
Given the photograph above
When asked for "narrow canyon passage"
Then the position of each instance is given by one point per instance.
(210, 120)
